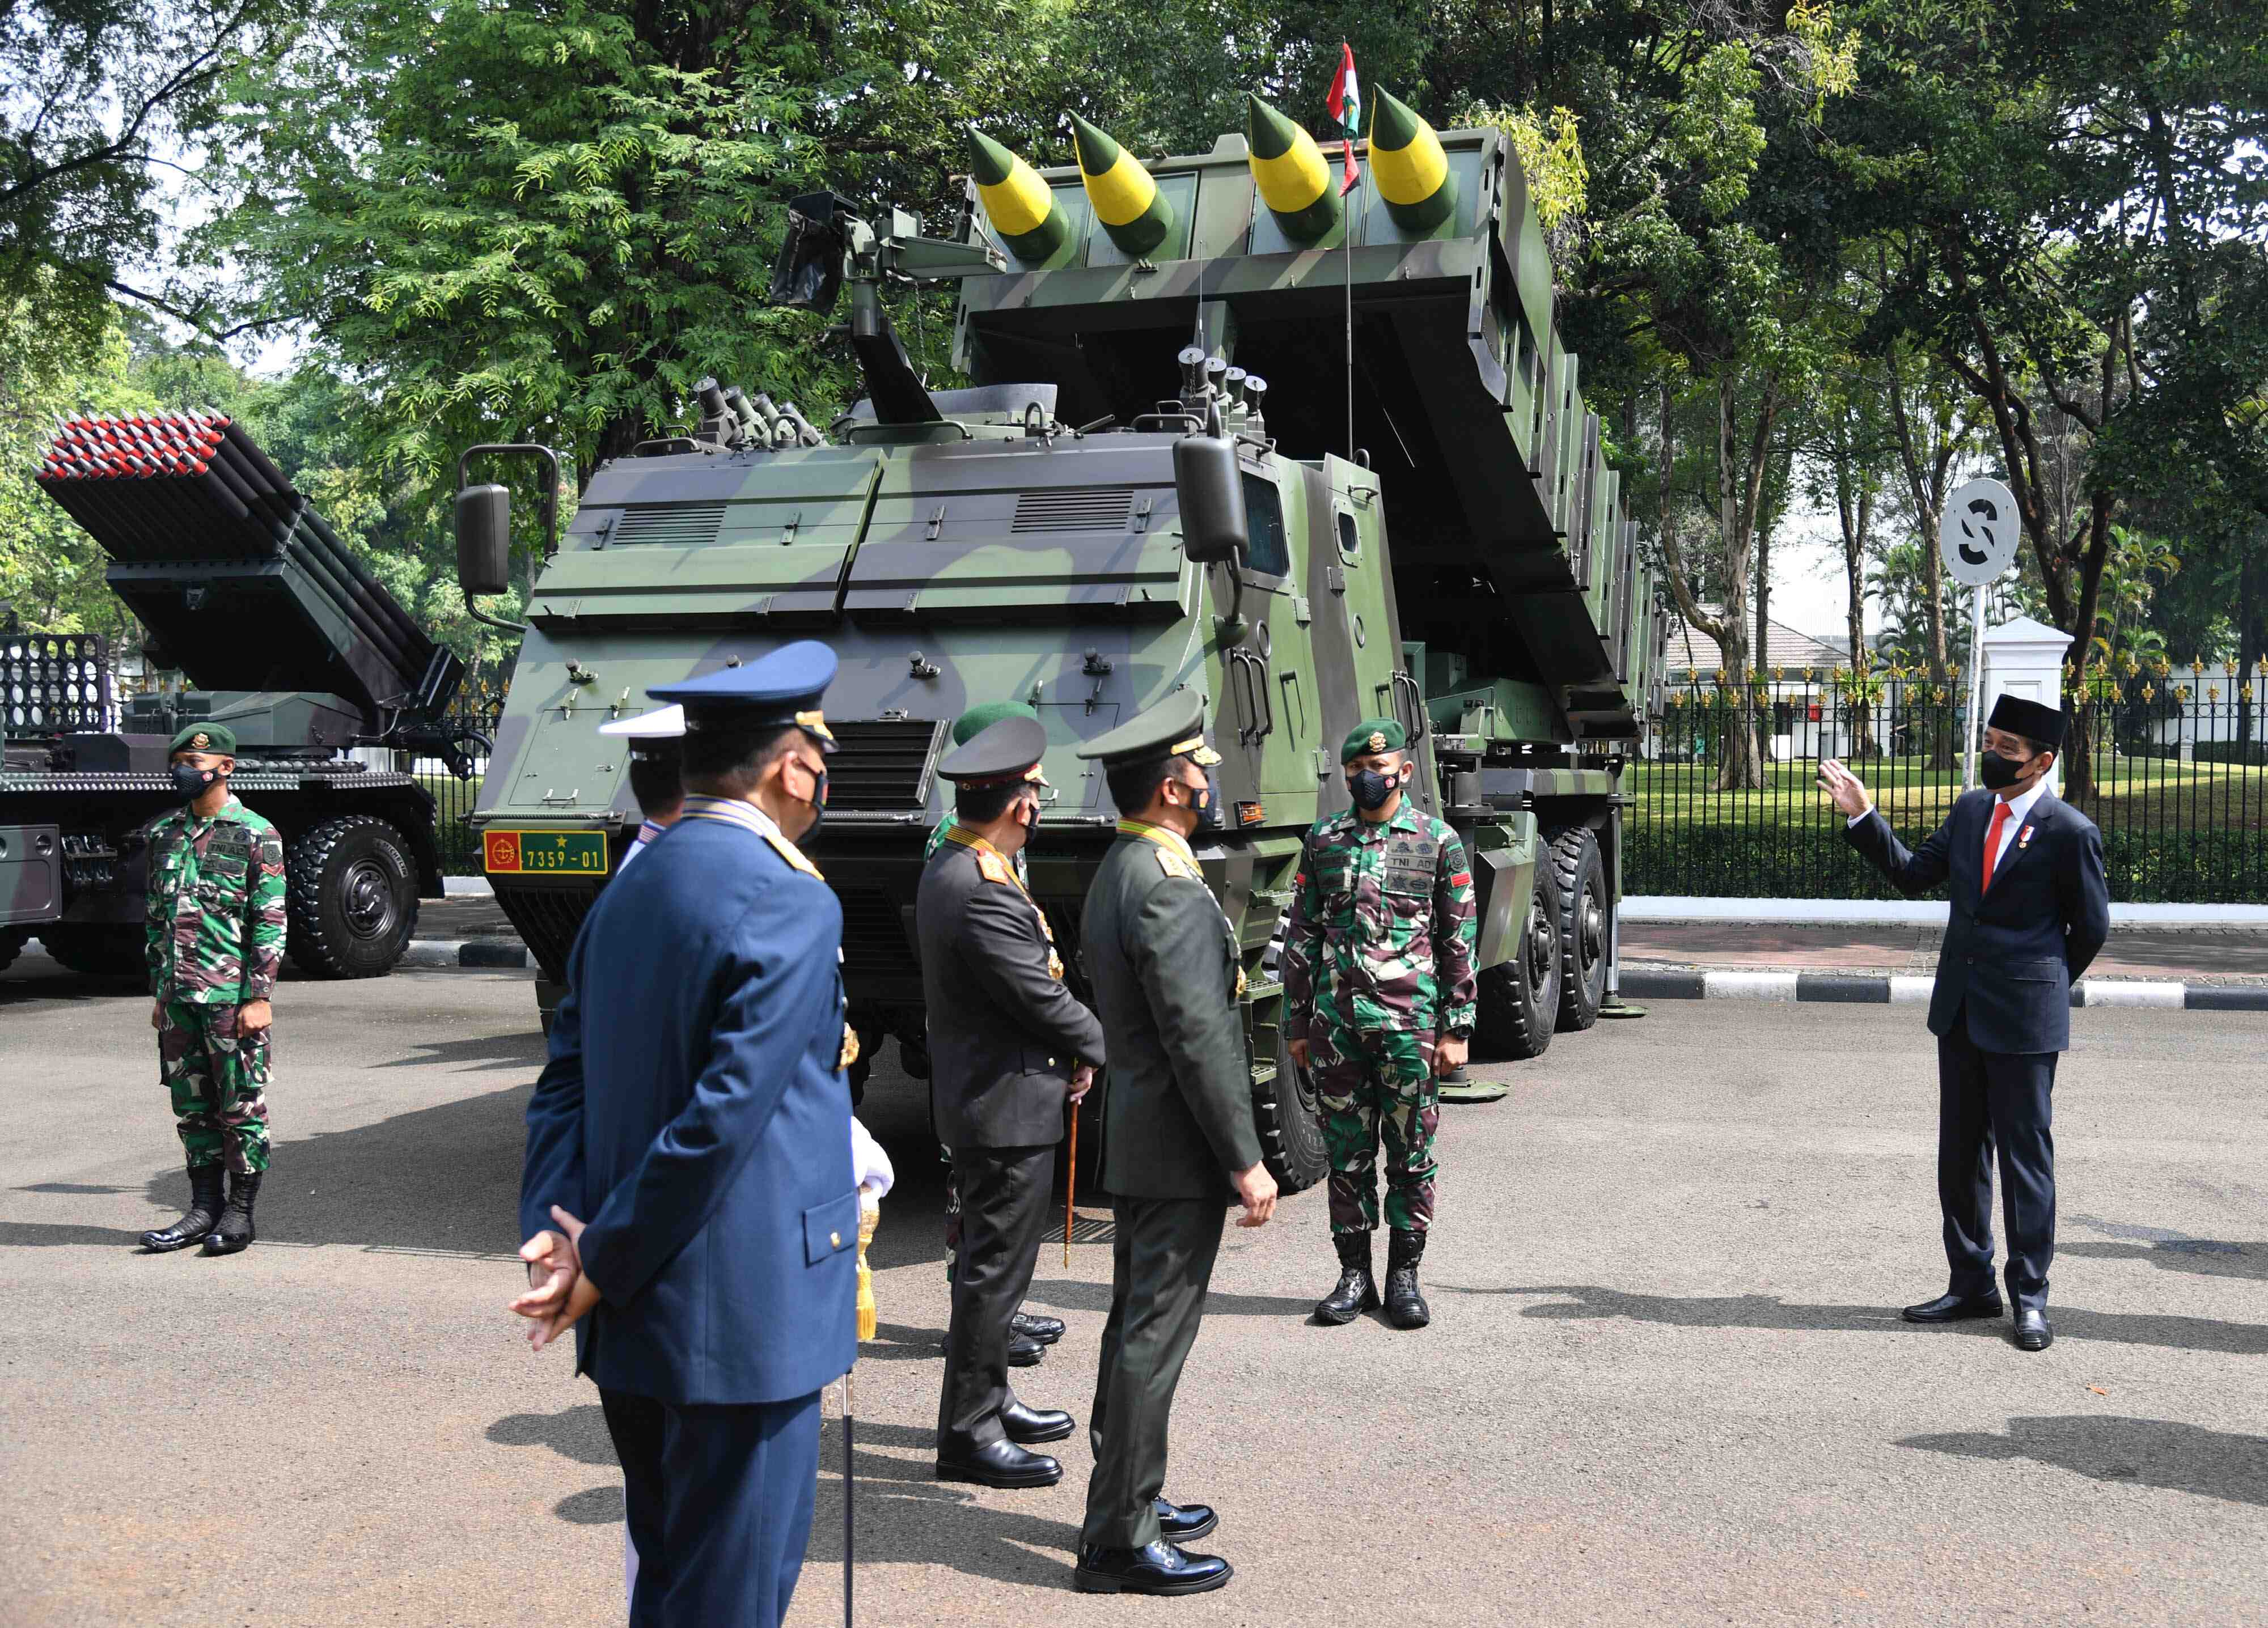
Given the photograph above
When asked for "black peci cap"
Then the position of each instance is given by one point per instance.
(2029, 719)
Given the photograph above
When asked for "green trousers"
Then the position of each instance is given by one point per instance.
(218, 1078)
(1160, 1265)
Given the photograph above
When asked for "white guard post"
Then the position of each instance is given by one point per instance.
(2025, 658)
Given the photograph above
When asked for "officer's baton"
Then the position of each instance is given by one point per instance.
(850, 1524)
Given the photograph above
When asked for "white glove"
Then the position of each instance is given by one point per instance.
(869, 1163)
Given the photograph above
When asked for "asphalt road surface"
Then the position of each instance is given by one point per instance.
(1665, 1382)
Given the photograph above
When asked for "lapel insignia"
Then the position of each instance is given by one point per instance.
(849, 1049)
(2024, 838)
(992, 868)
(793, 854)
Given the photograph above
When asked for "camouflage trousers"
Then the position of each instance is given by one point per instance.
(1377, 1086)
(219, 1078)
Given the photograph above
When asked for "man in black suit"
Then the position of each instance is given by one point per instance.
(1008, 1045)
(2030, 909)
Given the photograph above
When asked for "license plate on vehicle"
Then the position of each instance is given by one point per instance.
(544, 853)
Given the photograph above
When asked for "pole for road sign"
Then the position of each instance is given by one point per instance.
(1976, 683)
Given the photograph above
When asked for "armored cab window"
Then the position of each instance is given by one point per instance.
(1269, 554)
(1349, 540)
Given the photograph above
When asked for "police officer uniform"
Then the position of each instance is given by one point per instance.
(655, 741)
(694, 1112)
(1004, 1037)
(1177, 1126)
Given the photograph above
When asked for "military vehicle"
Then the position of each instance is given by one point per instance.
(1166, 474)
(286, 638)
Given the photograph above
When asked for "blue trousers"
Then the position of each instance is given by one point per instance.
(719, 1504)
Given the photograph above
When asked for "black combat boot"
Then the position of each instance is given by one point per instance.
(204, 1210)
(1358, 1290)
(1405, 1307)
(234, 1231)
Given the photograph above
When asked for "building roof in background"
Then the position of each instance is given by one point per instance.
(1791, 650)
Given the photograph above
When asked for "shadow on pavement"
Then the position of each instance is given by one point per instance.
(1065, 1295)
(896, 1342)
(2143, 1452)
(1764, 1311)
(38, 1235)
(522, 1052)
(2208, 1257)
(908, 1516)
(577, 1433)
(444, 1178)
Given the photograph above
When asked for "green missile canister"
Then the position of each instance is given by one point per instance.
(1021, 207)
(1407, 163)
(1288, 170)
(1126, 199)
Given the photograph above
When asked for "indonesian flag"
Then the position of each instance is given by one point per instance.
(1345, 104)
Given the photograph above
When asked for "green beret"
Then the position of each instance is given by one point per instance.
(216, 738)
(1373, 735)
(976, 720)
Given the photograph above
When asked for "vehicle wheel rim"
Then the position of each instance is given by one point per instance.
(366, 893)
(1542, 949)
(1590, 942)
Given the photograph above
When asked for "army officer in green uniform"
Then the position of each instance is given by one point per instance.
(1378, 1002)
(216, 943)
(1178, 1137)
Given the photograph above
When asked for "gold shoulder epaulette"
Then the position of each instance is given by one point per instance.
(1174, 865)
(793, 854)
(994, 869)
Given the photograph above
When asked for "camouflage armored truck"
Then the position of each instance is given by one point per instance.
(286, 638)
(1145, 489)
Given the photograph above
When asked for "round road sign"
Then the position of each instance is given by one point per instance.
(1978, 536)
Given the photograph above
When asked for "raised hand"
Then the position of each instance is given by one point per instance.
(1843, 788)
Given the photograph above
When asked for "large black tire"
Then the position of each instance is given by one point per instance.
(1585, 911)
(99, 951)
(1291, 1136)
(352, 898)
(1519, 998)
(11, 945)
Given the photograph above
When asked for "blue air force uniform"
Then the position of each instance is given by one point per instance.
(694, 1112)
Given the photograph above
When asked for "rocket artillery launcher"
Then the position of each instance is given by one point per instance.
(1150, 485)
(286, 637)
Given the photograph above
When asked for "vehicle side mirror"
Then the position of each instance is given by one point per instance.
(1211, 489)
(484, 540)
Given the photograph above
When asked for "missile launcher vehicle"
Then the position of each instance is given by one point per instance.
(1169, 473)
(286, 638)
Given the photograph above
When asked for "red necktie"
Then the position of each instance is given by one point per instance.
(1992, 840)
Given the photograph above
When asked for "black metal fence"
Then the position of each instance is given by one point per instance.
(478, 707)
(2169, 763)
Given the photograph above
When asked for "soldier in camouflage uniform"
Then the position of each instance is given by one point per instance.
(1029, 1334)
(1379, 1003)
(215, 939)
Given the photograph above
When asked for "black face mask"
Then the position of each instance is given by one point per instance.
(1208, 805)
(1998, 773)
(192, 782)
(1032, 819)
(1371, 789)
(818, 806)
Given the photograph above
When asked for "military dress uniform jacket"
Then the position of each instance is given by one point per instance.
(215, 914)
(1004, 1032)
(2013, 951)
(694, 1112)
(1177, 1116)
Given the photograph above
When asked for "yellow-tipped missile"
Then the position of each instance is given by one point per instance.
(1126, 199)
(1021, 207)
(1411, 171)
(1288, 168)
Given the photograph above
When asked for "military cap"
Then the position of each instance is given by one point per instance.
(1002, 752)
(1373, 735)
(213, 738)
(656, 731)
(2029, 719)
(976, 720)
(1174, 728)
(783, 687)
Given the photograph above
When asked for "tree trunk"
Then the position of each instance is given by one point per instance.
(1741, 768)
(2247, 643)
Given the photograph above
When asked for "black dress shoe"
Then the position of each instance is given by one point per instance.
(997, 1463)
(1183, 1523)
(2034, 1331)
(1046, 1330)
(1953, 1308)
(1023, 1353)
(1154, 1568)
(1027, 1425)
